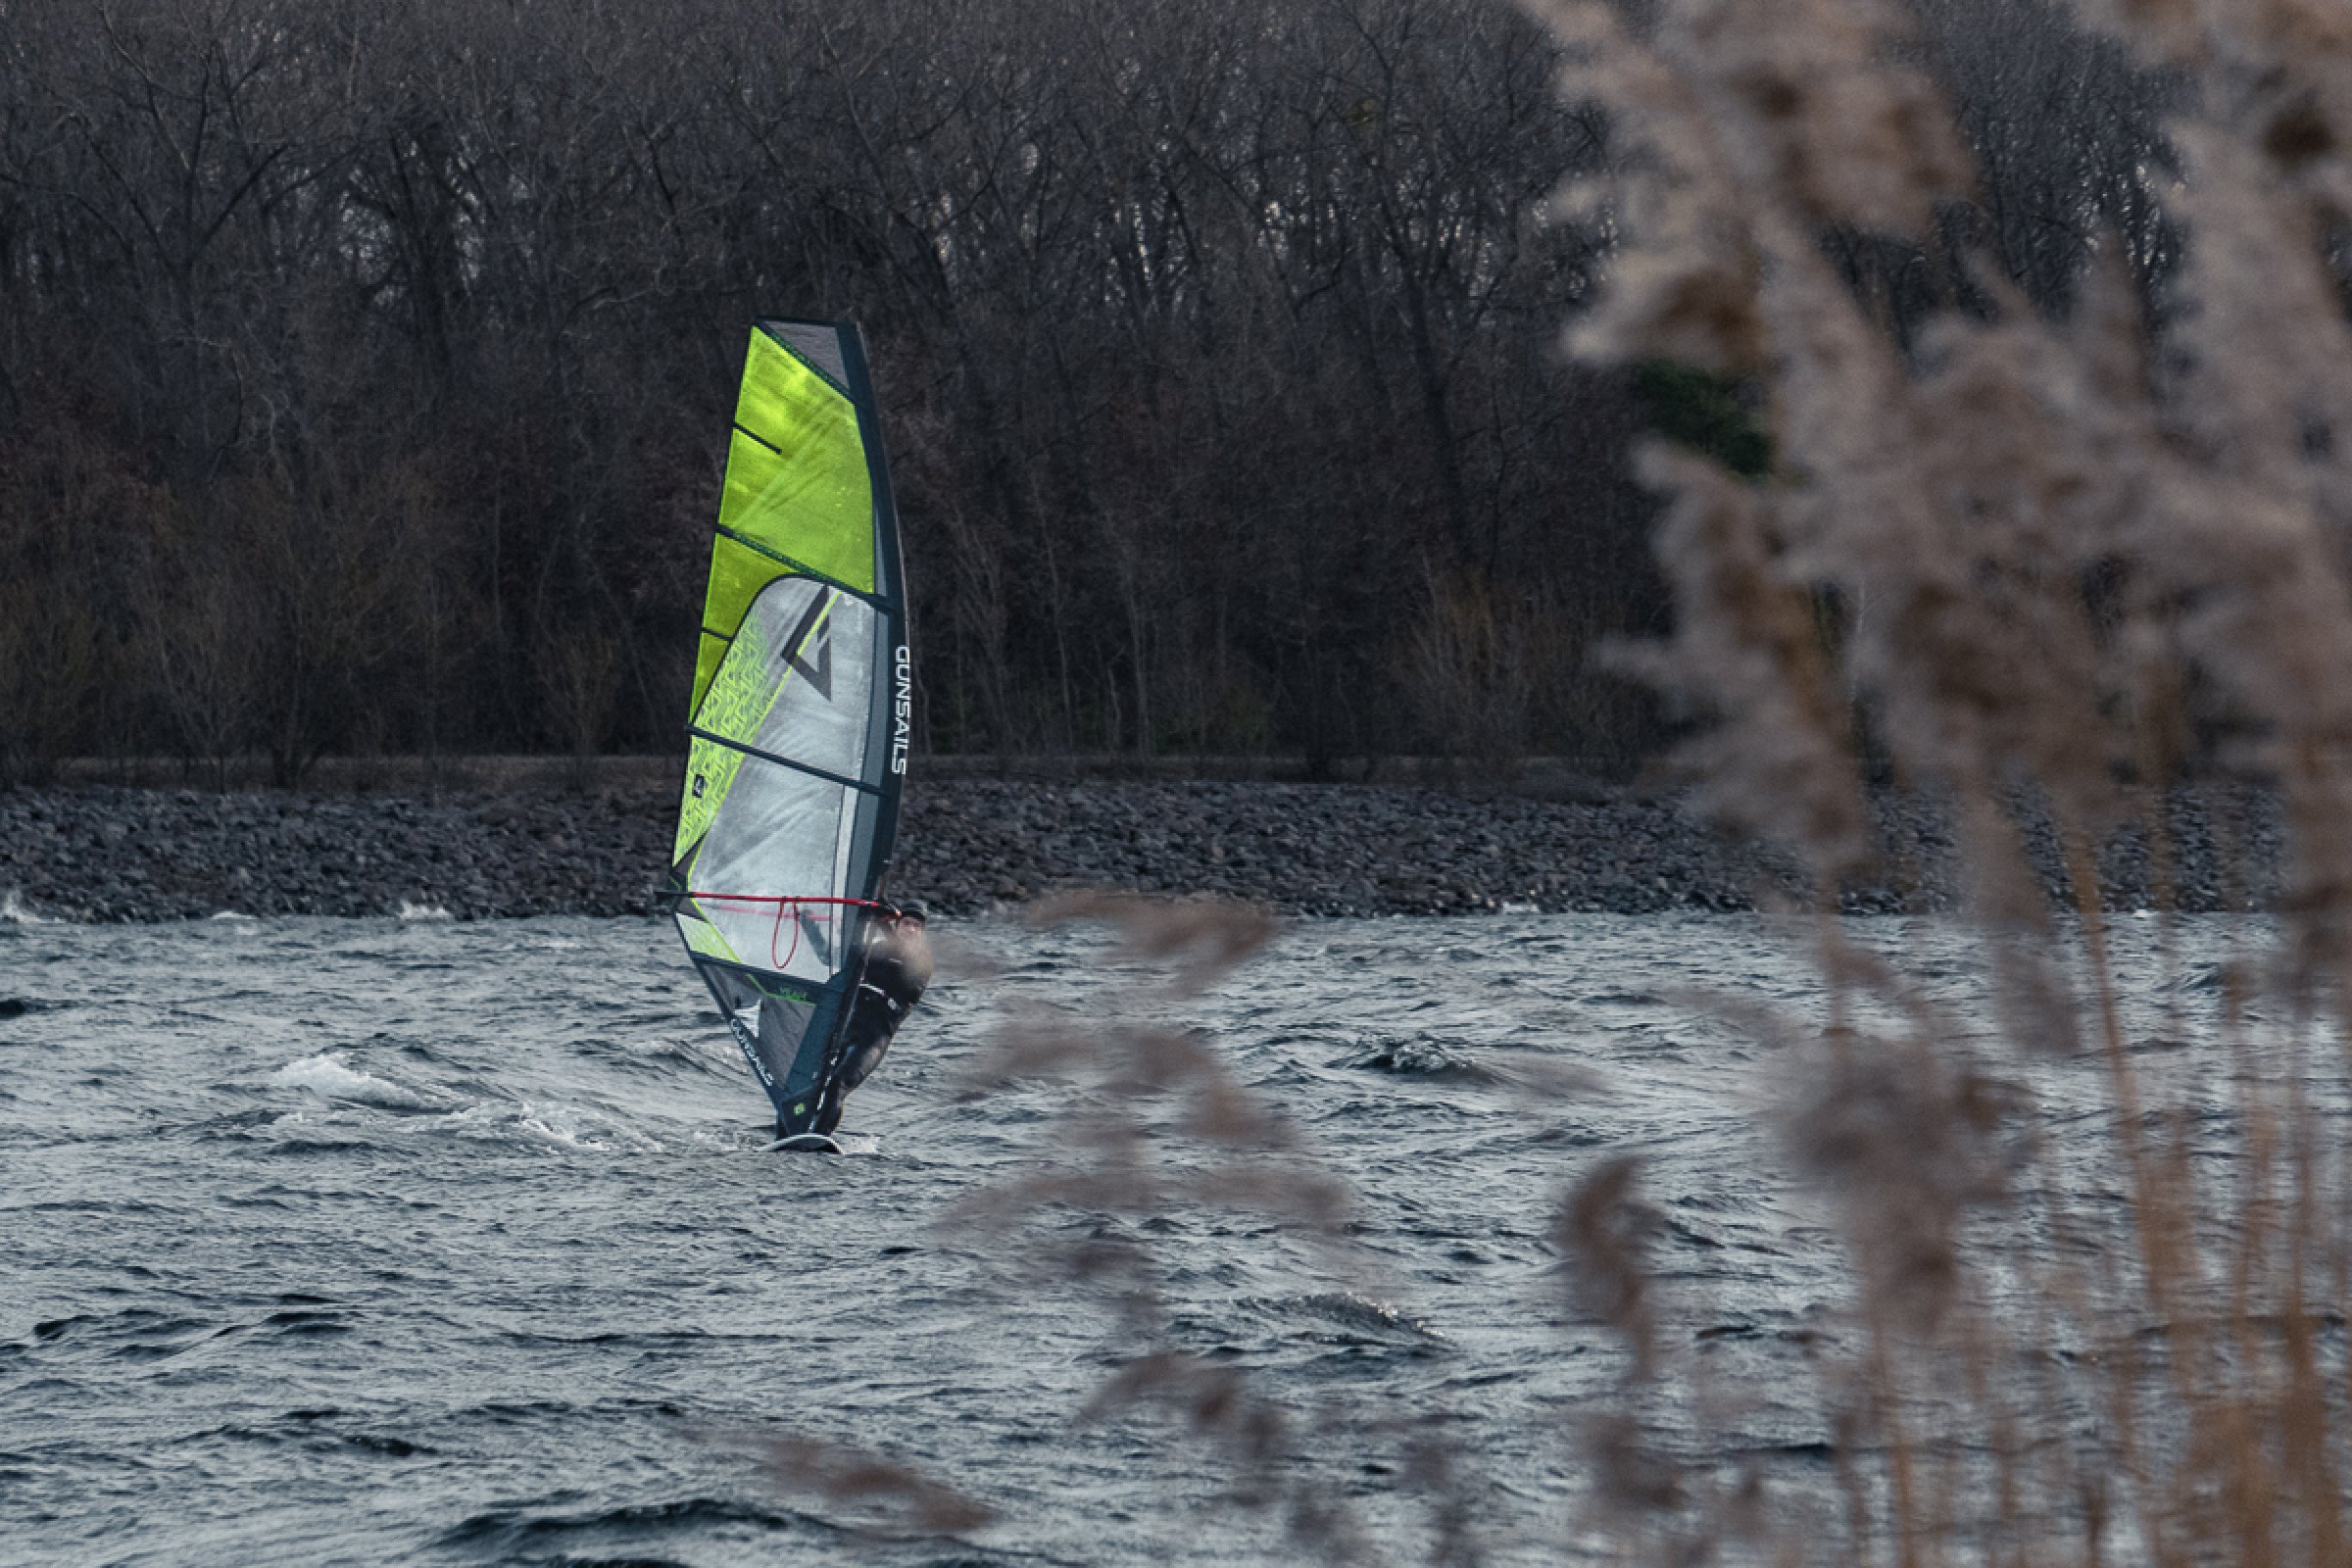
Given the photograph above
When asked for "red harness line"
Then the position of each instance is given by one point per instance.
(775, 935)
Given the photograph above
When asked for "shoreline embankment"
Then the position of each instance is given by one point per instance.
(973, 840)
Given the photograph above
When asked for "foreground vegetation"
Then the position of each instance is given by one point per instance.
(2040, 557)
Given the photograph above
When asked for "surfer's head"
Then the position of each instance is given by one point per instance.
(912, 910)
(901, 949)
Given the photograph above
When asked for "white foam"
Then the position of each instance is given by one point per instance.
(423, 912)
(566, 1127)
(230, 914)
(13, 912)
(330, 1079)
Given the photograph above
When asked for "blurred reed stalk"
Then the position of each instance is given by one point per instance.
(2040, 563)
(1155, 1124)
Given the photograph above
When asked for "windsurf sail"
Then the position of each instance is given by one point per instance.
(798, 730)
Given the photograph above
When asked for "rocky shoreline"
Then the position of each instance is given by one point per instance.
(98, 853)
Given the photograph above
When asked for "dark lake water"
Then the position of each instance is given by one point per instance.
(364, 1242)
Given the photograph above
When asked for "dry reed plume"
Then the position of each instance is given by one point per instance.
(2049, 564)
(1158, 1125)
(2037, 563)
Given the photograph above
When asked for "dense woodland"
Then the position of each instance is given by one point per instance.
(365, 367)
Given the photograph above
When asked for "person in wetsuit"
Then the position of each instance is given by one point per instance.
(897, 967)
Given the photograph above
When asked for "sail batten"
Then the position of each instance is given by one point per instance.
(784, 762)
(795, 748)
(801, 567)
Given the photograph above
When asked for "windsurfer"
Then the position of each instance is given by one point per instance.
(897, 967)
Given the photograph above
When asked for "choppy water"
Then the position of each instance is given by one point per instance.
(364, 1242)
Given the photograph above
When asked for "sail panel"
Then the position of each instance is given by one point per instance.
(701, 937)
(797, 478)
(738, 572)
(821, 346)
(782, 835)
(824, 672)
(798, 678)
(796, 683)
(772, 1024)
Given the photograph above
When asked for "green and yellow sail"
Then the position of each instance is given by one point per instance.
(798, 723)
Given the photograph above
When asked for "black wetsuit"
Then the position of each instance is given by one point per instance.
(897, 966)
